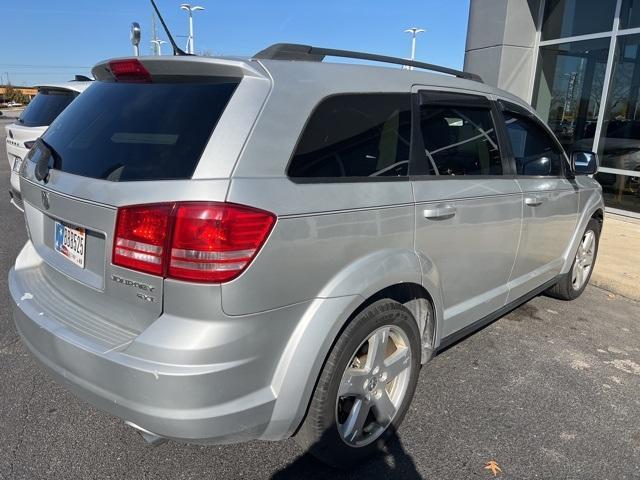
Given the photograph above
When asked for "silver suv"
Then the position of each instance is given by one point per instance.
(228, 249)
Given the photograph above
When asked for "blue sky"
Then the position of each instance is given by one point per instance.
(47, 41)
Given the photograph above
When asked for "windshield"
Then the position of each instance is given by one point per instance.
(131, 131)
(45, 107)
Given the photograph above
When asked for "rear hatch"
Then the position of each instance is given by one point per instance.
(46, 106)
(127, 140)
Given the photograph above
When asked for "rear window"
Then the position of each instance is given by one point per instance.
(45, 107)
(133, 132)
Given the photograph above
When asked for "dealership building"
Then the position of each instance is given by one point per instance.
(578, 63)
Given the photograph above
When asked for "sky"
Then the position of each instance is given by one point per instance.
(47, 41)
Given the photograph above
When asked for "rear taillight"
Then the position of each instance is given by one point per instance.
(195, 241)
(141, 237)
(129, 70)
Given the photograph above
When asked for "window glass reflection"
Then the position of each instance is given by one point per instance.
(568, 89)
(620, 191)
(630, 14)
(568, 18)
(619, 145)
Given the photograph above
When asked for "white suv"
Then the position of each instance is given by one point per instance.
(50, 101)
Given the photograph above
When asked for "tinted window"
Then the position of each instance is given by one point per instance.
(534, 150)
(568, 89)
(358, 135)
(45, 107)
(459, 140)
(630, 14)
(567, 18)
(619, 144)
(133, 131)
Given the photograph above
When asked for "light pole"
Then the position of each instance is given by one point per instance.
(190, 8)
(158, 45)
(414, 33)
(134, 36)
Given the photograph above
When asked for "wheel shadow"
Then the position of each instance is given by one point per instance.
(391, 462)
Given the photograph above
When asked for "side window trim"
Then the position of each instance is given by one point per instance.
(506, 106)
(419, 157)
(508, 160)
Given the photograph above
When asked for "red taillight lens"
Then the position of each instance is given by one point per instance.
(210, 242)
(141, 237)
(129, 70)
(214, 243)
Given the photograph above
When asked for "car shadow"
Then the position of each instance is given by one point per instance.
(392, 462)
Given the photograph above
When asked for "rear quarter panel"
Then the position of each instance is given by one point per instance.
(323, 229)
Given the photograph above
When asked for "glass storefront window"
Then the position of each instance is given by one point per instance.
(568, 89)
(568, 18)
(630, 14)
(619, 145)
(620, 191)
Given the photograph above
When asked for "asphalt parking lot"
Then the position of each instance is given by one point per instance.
(549, 391)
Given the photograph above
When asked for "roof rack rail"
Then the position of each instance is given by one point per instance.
(295, 51)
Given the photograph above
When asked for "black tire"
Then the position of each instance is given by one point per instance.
(319, 432)
(564, 288)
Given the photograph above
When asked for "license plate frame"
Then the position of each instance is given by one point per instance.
(70, 242)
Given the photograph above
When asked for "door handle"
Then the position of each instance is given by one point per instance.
(439, 212)
(533, 201)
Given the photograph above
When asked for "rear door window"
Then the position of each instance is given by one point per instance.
(458, 136)
(134, 132)
(355, 136)
(45, 107)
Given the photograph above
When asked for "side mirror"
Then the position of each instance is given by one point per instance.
(584, 163)
(536, 166)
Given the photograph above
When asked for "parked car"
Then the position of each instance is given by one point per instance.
(50, 100)
(255, 249)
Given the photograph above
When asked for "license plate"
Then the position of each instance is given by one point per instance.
(69, 242)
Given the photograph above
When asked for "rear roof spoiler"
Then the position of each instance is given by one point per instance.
(295, 51)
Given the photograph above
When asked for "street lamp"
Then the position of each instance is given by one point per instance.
(414, 33)
(134, 36)
(190, 8)
(158, 45)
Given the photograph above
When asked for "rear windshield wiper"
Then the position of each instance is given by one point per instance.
(47, 152)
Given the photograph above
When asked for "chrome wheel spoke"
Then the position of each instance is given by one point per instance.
(377, 349)
(588, 241)
(383, 408)
(353, 381)
(397, 363)
(580, 276)
(353, 426)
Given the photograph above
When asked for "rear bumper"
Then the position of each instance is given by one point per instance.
(16, 199)
(196, 401)
(101, 379)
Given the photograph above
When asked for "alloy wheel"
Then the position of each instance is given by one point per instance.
(373, 386)
(584, 260)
